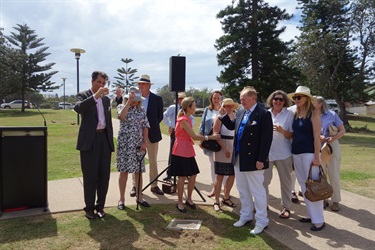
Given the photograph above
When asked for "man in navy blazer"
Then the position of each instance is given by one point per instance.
(253, 137)
(95, 142)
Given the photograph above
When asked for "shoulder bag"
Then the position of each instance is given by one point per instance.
(211, 145)
(317, 190)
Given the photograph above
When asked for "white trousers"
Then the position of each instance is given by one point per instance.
(284, 169)
(302, 164)
(250, 186)
(332, 170)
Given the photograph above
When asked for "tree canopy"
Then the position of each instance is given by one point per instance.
(251, 50)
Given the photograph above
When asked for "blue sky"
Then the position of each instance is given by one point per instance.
(149, 32)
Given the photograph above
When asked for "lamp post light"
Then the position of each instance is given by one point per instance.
(77, 52)
(64, 78)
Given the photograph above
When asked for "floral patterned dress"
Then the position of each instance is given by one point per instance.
(130, 136)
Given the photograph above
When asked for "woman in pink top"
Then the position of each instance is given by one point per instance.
(183, 161)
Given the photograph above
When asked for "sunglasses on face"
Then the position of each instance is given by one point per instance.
(297, 97)
(228, 106)
(278, 99)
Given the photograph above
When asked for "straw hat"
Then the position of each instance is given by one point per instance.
(138, 97)
(181, 95)
(302, 90)
(229, 101)
(145, 79)
(325, 153)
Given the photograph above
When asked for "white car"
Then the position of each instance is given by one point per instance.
(16, 104)
(66, 104)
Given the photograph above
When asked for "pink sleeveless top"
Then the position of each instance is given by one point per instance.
(183, 145)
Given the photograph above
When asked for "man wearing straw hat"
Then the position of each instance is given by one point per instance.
(153, 105)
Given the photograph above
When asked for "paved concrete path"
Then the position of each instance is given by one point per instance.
(353, 227)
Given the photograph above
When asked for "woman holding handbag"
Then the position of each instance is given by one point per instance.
(208, 118)
(306, 150)
(332, 168)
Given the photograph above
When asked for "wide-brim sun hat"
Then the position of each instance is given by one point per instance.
(145, 79)
(302, 90)
(138, 96)
(229, 101)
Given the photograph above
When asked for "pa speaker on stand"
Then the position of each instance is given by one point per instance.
(177, 73)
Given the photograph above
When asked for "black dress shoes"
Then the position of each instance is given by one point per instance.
(90, 215)
(144, 203)
(121, 206)
(133, 192)
(315, 228)
(100, 213)
(157, 190)
(305, 220)
(181, 210)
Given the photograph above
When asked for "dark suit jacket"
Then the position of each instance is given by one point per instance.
(256, 139)
(154, 116)
(86, 107)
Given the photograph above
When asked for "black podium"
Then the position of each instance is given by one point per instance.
(23, 168)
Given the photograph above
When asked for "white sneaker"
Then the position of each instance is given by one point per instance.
(257, 229)
(241, 223)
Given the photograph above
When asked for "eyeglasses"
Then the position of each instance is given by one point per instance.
(297, 97)
(278, 99)
(228, 106)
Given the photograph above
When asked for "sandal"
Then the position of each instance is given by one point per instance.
(285, 214)
(217, 207)
(228, 203)
(211, 195)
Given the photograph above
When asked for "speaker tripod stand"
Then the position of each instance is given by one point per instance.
(171, 185)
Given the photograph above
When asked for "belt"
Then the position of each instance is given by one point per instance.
(101, 130)
(227, 137)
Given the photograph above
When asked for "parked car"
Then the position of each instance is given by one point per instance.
(67, 105)
(16, 104)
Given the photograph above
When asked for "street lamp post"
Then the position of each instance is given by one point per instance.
(64, 78)
(77, 52)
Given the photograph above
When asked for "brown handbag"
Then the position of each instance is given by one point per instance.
(317, 190)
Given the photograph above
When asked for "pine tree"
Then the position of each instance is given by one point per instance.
(126, 77)
(324, 53)
(252, 52)
(32, 75)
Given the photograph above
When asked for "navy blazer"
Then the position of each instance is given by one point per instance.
(154, 116)
(256, 139)
(86, 107)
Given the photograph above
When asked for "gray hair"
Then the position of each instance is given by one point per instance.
(321, 100)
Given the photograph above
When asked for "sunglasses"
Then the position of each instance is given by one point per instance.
(228, 106)
(278, 99)
(297, 97)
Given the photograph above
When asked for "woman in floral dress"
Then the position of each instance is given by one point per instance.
(131, 143)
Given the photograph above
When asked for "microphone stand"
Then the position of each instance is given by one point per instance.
(45, 123)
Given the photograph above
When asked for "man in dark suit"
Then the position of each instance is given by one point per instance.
(253, 137)
(153, 104)
(95, 142)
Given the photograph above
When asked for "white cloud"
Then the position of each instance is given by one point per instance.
(149, 32)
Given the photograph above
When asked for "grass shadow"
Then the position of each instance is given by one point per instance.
(28, 228)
